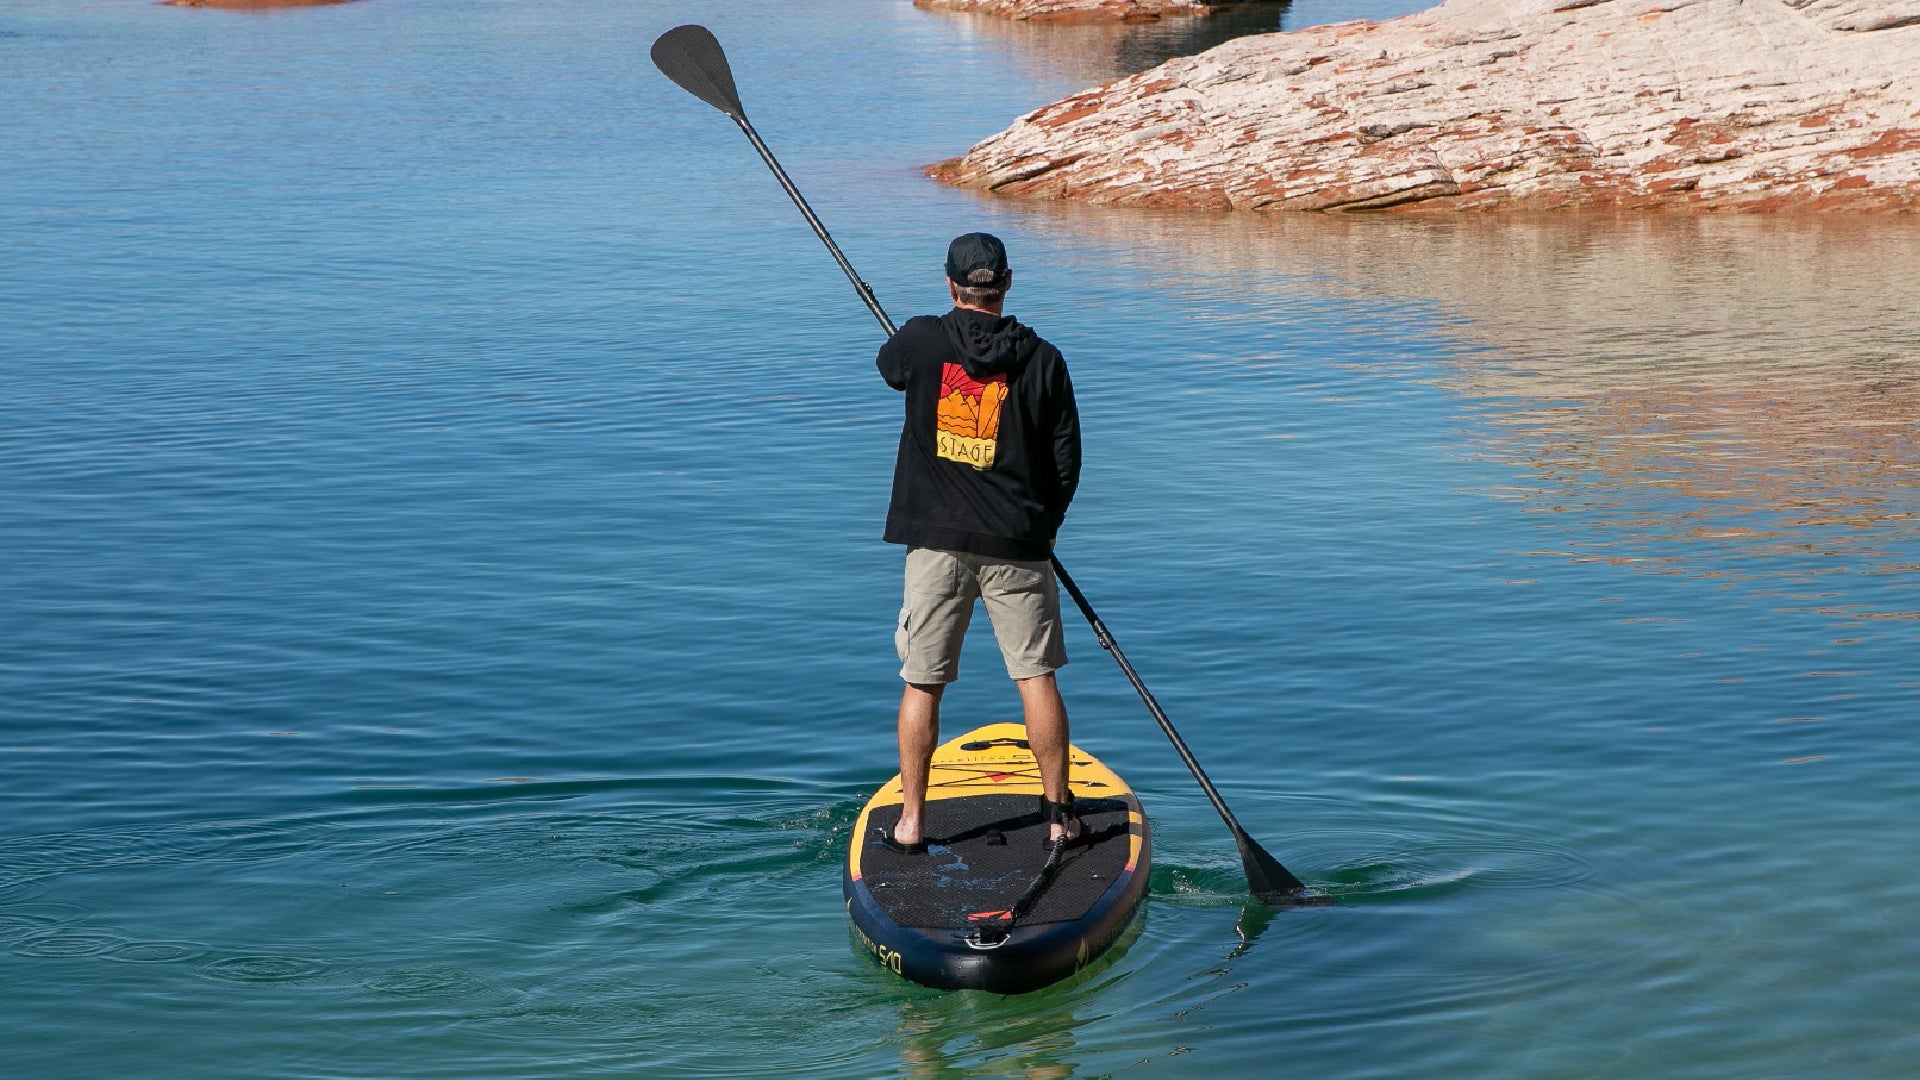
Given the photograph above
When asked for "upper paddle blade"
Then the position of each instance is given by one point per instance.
(691, 56)
(1270, 883)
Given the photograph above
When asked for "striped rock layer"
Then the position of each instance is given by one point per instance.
(1480, 104)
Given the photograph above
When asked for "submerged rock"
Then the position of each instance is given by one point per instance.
(1706, 104)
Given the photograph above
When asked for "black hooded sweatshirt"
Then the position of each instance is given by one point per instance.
(990, 451)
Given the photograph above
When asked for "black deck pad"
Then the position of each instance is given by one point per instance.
(982, 853)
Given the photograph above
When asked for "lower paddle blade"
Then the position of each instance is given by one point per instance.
(1270, 883)
(691, 56)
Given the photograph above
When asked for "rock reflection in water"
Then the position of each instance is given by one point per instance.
(1085, 54)
(1718, 397)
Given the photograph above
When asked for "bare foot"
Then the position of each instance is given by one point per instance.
(906, 833)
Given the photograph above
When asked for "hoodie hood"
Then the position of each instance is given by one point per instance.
(988, 345)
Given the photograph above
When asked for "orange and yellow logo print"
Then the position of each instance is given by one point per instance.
(969, 416)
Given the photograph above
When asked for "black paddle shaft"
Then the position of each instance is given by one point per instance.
(692, 57)
(1270, 882)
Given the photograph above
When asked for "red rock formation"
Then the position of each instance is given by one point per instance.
(1073, 10)
(1477, 104)
(248, 5)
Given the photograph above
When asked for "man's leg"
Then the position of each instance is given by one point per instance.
(1023, 600)
(933, 622)
(1046, 716)
(919, 733)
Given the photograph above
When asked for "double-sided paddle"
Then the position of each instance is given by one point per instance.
(691, 56)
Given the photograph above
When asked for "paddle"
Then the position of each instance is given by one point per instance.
(1269, 882)
(691, 56)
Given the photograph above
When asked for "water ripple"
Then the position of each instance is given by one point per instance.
(431, 620)
(1361, 865)
(428, 982)
(156, 952)
(265, 968)
(63, 942)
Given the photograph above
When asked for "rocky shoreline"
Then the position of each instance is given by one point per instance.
(1764, 105)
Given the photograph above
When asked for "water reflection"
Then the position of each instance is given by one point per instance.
(1727, 398)
(1084, 54)
(952, 1036)
(1075, 55)
(1031, 1036)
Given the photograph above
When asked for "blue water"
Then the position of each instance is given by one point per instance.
(443, 630)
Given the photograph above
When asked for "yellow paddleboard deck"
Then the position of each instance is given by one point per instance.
(984, 907)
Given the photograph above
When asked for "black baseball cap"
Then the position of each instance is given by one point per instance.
(976, 259)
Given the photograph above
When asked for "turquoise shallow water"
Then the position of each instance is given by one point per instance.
(443, 631)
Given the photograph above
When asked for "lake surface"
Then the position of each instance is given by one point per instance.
(444, 632)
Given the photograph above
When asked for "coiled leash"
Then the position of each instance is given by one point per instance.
(989, 929)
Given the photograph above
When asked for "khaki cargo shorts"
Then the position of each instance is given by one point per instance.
(1022, 599)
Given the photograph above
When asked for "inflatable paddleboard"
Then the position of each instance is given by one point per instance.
(981, 909)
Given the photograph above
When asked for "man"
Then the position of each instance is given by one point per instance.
(989, 459)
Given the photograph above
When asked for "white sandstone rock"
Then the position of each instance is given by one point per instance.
(1475, 104)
